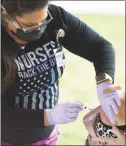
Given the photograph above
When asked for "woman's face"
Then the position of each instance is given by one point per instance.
(26, 21)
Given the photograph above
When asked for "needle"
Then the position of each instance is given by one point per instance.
(87, 108)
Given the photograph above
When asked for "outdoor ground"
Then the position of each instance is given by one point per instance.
(78, 81)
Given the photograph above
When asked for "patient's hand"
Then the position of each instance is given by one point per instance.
(120, 140)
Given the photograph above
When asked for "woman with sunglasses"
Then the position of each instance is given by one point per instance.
(33, 33)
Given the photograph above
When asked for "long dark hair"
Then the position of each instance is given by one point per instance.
(8, 45)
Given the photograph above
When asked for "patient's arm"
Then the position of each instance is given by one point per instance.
(120, 118)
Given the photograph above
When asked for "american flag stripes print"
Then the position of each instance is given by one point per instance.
(39, 85)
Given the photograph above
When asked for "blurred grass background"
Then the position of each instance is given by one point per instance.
(78, 81)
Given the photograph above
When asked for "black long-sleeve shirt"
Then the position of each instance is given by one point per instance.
(36, 86)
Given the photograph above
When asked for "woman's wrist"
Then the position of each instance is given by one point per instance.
(107, 80)
(46, 123)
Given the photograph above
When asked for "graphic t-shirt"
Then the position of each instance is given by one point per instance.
(39, 68)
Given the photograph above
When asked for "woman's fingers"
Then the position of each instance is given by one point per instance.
(114, 106)
(118, 101)
(110, 115)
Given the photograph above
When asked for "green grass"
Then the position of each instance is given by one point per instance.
(78, 81)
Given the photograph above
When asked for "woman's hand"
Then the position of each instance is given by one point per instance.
(120, 140)
(109, 97)
(63, 113)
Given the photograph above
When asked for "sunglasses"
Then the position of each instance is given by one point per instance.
(43, 24)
